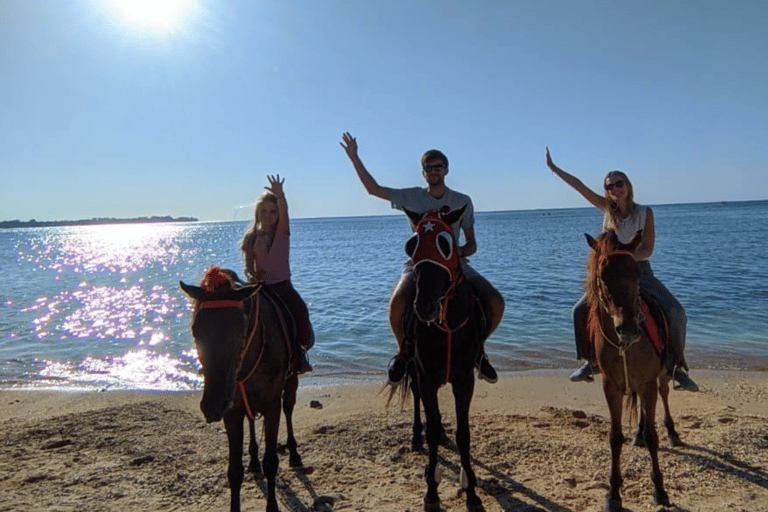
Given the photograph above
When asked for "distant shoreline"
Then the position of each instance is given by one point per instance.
(9, 224)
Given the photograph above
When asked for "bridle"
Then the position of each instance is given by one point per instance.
(596, 285)
(446, 257)
(248, 335)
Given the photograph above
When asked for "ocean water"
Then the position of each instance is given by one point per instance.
(99, 307)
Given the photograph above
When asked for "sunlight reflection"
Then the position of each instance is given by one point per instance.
(115, 248)
(140, 369)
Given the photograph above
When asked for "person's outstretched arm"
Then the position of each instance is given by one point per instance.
(349, 143)
(276, 187)
(590, 195)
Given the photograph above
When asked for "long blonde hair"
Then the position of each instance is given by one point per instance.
(252, 233)
(613, 216)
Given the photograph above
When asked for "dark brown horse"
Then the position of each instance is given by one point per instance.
(245, 350)
(446, 341)
(630, 364)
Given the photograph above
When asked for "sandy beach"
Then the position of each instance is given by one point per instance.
(539, 443)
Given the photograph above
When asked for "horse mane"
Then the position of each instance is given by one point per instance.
(604, 244)
(216, 279)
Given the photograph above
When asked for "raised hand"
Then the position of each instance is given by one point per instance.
(550, 163)
(275, 185)
(349, 143)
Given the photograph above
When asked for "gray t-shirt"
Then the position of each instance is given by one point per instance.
(418, 200)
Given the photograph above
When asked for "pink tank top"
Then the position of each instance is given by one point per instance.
(275, 268)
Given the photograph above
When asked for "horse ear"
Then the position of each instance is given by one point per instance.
(415, 217)
(195, 292)
(246, 291)
(453, 216)
(591, 241)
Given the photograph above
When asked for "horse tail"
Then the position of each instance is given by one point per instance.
(630, 408)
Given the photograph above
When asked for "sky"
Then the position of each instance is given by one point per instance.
(183, 107)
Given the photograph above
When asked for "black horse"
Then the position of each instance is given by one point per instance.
(446, 333)
(245, 349)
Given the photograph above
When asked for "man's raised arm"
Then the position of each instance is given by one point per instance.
(349, 143)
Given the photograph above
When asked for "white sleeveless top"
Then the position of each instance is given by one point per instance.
(628, 227)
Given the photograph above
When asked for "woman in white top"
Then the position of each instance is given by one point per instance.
(626, 218)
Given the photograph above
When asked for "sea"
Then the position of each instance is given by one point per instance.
(99, 307)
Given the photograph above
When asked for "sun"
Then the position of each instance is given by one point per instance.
(164, 15)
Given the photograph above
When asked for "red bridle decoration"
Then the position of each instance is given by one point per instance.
(435, 244)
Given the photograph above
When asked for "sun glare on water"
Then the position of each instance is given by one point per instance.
(162, 15)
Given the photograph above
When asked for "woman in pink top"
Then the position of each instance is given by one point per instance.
(266, 247)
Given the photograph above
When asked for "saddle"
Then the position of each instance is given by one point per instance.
(655, 322)
(279, 304)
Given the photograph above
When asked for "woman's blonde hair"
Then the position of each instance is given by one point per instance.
(250, 236)
(612, 213)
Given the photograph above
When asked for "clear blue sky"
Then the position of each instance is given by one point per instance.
(108, 113)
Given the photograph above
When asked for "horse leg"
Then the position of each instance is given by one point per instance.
(614, 396)
(462, 394)
(648, 403)
(289, 401)
(444, 439)
(253, 450)
(417, 441)
(672, 435)
(271, 461)
(233, 423)
(431, 411)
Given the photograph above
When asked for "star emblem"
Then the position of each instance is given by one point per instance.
(429, 226)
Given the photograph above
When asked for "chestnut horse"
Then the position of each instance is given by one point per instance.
(446, 341)
(627, 358)
(245, 350)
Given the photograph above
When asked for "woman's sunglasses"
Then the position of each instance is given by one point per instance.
(617, 184)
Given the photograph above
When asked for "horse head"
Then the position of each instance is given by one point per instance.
(219, 326)
(434, 253)
(614, 280)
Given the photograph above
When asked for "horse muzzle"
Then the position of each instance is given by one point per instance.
(427, 311)
(628, 333)
(215, 405)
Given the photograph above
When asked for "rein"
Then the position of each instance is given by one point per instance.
(442, 323)
(248, 340)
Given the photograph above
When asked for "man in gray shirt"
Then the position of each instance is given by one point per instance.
(419, 200)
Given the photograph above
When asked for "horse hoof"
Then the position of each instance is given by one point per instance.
(639, 442)
(612, 506)
(431, 507)
(295, 462)
(661, 499)
(417, 445)
(675, 442)
(474, 504)
(256, 470)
